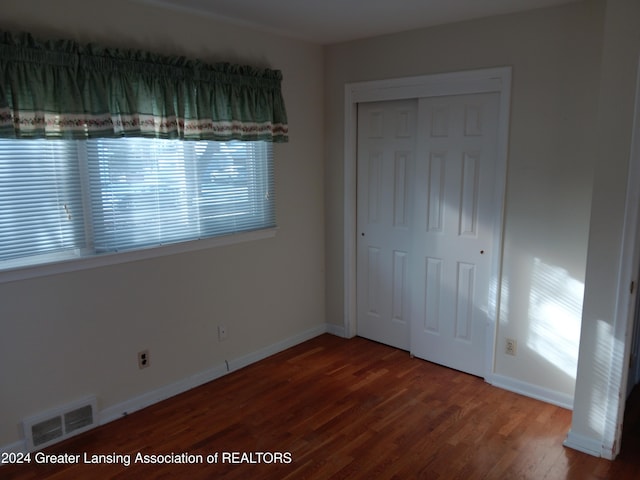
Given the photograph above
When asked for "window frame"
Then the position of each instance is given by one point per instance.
(64, 262)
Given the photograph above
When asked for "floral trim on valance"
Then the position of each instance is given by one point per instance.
(61, 89)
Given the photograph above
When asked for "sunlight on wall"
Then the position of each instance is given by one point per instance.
(555, 312)
(602, 355)
(493, 305)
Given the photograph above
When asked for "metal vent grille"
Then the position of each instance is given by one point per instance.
(46, 431)
(55, 425)
(78, 418)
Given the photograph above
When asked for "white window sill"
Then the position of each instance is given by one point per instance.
(41, 270)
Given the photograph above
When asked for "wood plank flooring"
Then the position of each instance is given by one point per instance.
(343, 409)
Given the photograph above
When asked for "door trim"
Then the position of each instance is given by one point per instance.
(625, 307)
(490, 80)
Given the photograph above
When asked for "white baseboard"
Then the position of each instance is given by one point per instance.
(168, 391)
(337, 330)
(16, 447)
(147, 399)
(533, 391)
(245, 360)
(584, 444)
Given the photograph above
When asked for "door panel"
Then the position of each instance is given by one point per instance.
(386, 152)
(452, 234)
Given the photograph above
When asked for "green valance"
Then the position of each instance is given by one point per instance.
(62, 89)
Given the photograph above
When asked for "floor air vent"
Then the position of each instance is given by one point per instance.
(61, 423)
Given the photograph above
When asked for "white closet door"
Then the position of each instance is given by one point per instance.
(453, 229)
(386, 153)
(426, 225)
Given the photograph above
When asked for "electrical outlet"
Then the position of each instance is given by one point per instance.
(143, 359)
(510, 346)
(222, 333)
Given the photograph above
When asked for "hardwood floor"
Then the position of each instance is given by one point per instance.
(341, 408)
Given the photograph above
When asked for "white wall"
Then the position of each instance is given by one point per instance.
(69, 335)
(606, 330)
(555, 55)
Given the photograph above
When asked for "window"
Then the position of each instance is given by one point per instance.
(66, 199)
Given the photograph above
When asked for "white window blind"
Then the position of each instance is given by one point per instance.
(84, 198)
(40, 199)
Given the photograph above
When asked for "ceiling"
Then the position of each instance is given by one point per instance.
(332, 21)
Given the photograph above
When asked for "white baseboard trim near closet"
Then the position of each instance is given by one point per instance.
(583, 444)
(528, 390)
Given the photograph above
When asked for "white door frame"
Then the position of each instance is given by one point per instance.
(625, 306)
(496, 80)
